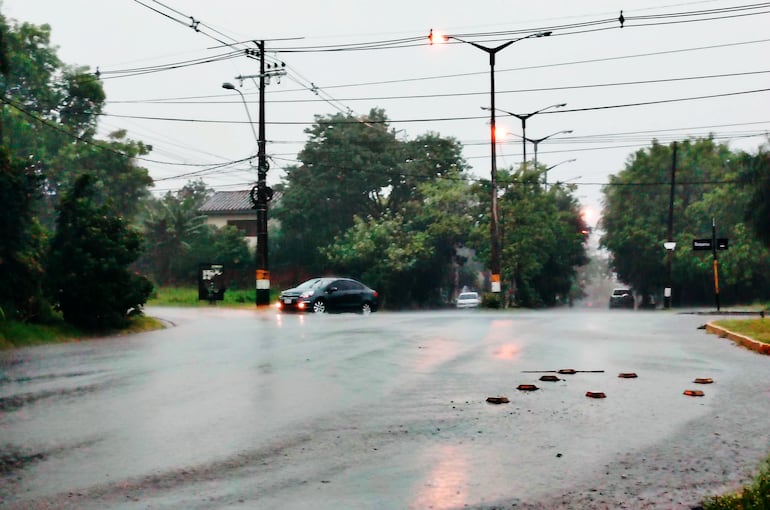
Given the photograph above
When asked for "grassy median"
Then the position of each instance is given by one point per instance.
(758, 329)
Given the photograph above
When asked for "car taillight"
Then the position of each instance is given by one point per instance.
(376, 295)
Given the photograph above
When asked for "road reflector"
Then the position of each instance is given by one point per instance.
(693, 393)
(498, 400)
(527, 387)
(595, 394)
(703, 380)
(627, 375)
(567, 371)
(550, 378)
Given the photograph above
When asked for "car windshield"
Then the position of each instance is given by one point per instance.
(468, 295)
(620, 292)
(311, 284)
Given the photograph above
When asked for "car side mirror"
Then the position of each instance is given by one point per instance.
(332, 289)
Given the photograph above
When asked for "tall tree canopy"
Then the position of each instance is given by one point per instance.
(635, 221)
(51, 110)
(352, 167)
(345, 166)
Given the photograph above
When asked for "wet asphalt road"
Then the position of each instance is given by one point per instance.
(253, 409)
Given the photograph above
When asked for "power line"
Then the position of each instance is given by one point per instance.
(439, 119)
(459, 94)
(85, 140)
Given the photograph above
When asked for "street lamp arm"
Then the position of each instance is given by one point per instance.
(490, 50)
(538, 140)
(561, 163)
(525, 116)
(230, 86)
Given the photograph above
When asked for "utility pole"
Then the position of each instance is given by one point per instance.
(261, 193)
(669, 245)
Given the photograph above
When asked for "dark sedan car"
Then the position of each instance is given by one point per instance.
(330, 294)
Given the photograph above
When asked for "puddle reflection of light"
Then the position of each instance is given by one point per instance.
(500, 332)
(445, 484)
(508, 351)
(433, 352)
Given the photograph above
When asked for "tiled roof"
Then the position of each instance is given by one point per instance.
(228, 202)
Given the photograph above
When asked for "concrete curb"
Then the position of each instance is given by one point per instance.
(743, 340)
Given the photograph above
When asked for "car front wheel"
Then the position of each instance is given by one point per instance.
(319, 306)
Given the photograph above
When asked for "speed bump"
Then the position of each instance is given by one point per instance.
(627, 375)
(693, 393)
(498, 400)
(595, 394)
(527, 387)
(550, 378)
(703, 380)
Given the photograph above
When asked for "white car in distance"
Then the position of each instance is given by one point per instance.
(468, 300)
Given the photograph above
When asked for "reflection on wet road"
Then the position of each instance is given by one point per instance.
(247, 409)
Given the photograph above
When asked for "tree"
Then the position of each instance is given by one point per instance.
(22, 241)
(345, 168)
(119, 182)
(51, 110)
(172, 226)
(410, 261)
(543, 238)
(89, 259)
(21, 238)
(756, 175)
(636, 216)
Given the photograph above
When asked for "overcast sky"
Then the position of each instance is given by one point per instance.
(591, 66)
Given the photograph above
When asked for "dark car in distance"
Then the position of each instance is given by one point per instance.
(329, 294)
(621, 298)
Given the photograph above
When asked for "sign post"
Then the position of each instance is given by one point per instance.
(712, 244)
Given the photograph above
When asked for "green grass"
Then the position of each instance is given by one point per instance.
(758, 329)
(18, 334)
(188, 296)
(755, 496)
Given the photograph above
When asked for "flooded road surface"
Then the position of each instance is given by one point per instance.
(253, 409)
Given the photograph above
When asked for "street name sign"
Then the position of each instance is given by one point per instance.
(706, 244)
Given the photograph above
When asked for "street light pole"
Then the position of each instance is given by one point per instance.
(494, 232)
(536, 141)
(523, 118)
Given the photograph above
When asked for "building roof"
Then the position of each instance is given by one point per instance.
(228, 202)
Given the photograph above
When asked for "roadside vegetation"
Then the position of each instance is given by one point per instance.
(755, 496)
(758, 329)
(14, 334)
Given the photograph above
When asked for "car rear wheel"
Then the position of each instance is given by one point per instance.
(319, 306)
(366, 308)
